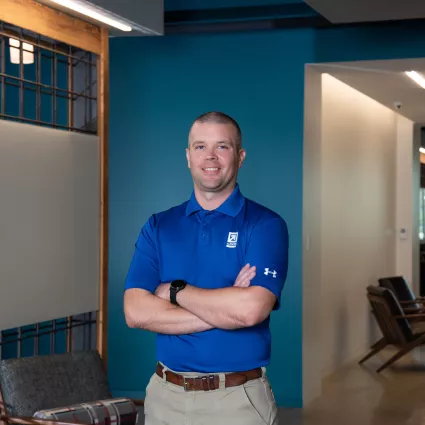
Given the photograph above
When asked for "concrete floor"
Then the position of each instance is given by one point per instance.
(357, 395)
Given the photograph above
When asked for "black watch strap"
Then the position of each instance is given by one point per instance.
(175, 287)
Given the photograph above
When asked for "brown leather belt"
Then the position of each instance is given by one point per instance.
(209, 382)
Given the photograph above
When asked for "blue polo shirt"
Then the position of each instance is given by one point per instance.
(207, 249)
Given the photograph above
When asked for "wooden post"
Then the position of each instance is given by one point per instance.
(103, 132)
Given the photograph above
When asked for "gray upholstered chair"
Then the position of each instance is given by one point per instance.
(67, 388)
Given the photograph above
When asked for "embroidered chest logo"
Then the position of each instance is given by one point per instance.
(232, 240)
(273, 273)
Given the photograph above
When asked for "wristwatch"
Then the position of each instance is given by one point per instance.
(175, 287)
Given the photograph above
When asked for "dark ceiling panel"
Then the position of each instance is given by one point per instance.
(219, 4)
(288, 10)
(347, 11)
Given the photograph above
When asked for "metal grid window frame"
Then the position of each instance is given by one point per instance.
(79, 334)
(79, 91)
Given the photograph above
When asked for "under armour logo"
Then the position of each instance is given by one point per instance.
(267, 272)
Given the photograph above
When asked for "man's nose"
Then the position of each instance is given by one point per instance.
(210, 154)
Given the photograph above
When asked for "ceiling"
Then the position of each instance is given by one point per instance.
(157, 17)
(146, 17)
(218, 4)
(385, 82)
(347, 11)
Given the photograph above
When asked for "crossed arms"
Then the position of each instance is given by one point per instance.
(248, 302)
(200, 309)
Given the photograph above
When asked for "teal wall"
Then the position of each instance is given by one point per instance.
(158, 85)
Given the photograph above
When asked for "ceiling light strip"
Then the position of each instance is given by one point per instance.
(79, 8)
(417, 78)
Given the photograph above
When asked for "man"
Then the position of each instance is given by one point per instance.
(205, 277)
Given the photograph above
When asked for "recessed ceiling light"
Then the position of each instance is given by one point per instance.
(417, 78)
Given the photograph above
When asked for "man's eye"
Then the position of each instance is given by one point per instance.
(224, 147)
(199, 147)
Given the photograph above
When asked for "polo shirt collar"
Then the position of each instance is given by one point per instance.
(231, 206)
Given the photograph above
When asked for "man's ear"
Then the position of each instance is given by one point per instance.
(242, 155)
(188, 157)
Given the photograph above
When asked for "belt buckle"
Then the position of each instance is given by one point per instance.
(207, 380)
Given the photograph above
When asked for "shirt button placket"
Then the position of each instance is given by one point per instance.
(204, 233)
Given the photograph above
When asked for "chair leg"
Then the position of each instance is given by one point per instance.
(403, 351)
(393, 359)
(376, 348)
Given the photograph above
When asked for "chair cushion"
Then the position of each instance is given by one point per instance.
(30, 384)
(118, 411)
(400, 288)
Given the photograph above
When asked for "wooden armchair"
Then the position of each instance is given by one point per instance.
(402, 291)
(60, 389)
(398, 327)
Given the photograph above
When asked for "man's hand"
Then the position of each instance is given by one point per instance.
(243, 280)
(245, 276)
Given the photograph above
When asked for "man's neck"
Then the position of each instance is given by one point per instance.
(212, 200)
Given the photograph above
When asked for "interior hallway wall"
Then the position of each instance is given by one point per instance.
(415, 205)
(359, 147)
(405, 231)
(312, 229)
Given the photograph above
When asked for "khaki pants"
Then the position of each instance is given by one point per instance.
(252, 403)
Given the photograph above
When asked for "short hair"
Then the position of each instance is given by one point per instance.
(221, 118)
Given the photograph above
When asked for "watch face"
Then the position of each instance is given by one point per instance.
(178, 284)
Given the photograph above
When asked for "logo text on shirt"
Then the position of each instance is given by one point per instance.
(232, 240)
(267, 272)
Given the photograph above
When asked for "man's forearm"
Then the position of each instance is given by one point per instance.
(147, 311)
(225, 308)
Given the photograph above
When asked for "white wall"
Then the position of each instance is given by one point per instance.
(312, 264)
(359, 146)
(49, 224)
(415, 215)
(404, 199)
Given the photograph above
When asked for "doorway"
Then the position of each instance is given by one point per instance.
(362, 178)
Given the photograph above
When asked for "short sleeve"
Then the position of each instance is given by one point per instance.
(144, 269)
(268, 251)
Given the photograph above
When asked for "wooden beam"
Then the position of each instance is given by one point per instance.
(103, 132)
(44, 20)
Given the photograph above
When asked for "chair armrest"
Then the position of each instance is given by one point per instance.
(410, 316)
(108, 411)
(415, 301)
(23, 420)
(138, 402)
(413, 309)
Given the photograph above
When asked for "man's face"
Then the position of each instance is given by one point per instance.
(213, 156)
